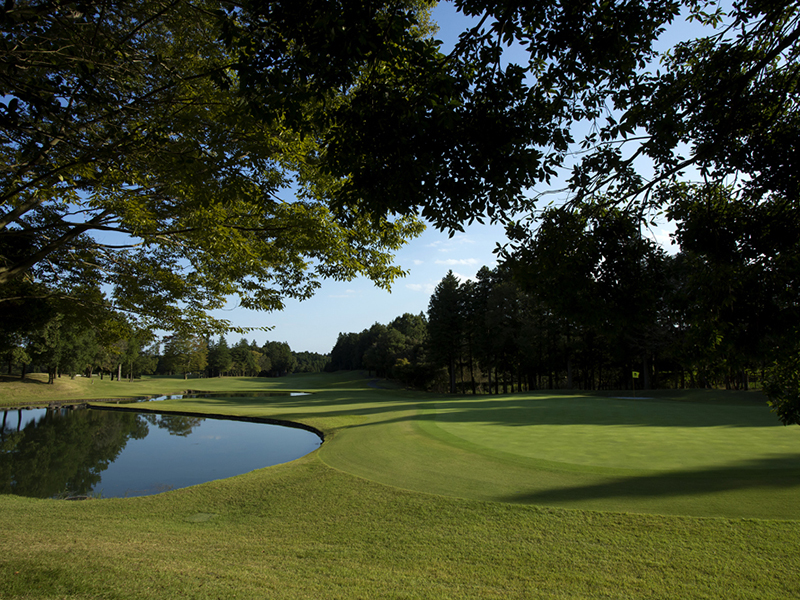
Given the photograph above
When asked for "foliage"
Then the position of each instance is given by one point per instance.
(282, 360)
(126, 119)
(396, 350)
(783, 387)
(219, 357)
(185, 353)
(189, 141)
(310, 362)
(244, 359)
(252, 149)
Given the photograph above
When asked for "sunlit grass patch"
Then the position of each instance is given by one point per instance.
(624, 434)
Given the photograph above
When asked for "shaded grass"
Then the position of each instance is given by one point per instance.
(357, 519)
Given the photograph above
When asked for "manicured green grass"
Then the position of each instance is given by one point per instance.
(34, 389)
(420, 496)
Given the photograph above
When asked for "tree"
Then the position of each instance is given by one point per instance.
(219, 357)
(445, 326)
(128, 117)
(344, 355)
(185, 353)
(384, 352)
(308, 362)
(182, 126)
(245, 359)
(743, 276)
(604, 282)
(281, 359)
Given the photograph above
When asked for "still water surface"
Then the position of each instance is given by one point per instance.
(62, 453)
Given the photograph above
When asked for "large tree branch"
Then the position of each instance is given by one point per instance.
(9, 273)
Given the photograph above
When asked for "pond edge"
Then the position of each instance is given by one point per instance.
(223, 417)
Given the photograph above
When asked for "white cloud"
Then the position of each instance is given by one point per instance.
(463, 278)
(427, 288)
(451, 244)
(451, 262)
(346, 294)
(419, 262)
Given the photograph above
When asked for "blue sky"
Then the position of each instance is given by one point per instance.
(314, 325)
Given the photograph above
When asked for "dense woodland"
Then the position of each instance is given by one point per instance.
(585, 304)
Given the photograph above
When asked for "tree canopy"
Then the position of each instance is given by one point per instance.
(131, 157)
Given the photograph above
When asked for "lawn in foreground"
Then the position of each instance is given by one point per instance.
(318, 527)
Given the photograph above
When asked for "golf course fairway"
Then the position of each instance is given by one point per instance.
(413, 495)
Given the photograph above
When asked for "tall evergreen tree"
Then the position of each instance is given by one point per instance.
(446, 326)
(219, 357)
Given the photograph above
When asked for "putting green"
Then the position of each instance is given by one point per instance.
(587, 452)
(624, 434)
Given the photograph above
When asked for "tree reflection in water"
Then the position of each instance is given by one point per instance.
(61, 453)
(181, 425)
(64, 452)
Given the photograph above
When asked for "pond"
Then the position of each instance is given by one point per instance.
(61, 453)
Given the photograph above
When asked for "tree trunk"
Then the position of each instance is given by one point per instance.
(452, 374)
(569, 373)
(119, 372)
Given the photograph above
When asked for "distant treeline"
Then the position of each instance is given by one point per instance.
(65, 344)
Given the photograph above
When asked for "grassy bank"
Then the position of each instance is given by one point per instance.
(407, 499)
(34, 389)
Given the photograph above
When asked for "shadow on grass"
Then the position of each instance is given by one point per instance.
(779, 472)
(16, 379)
(516, 411)
(600, 410)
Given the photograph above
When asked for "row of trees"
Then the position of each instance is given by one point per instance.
(70, 341)
(584, 300)
(397, 350)
(273, 359)
(56, 335)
